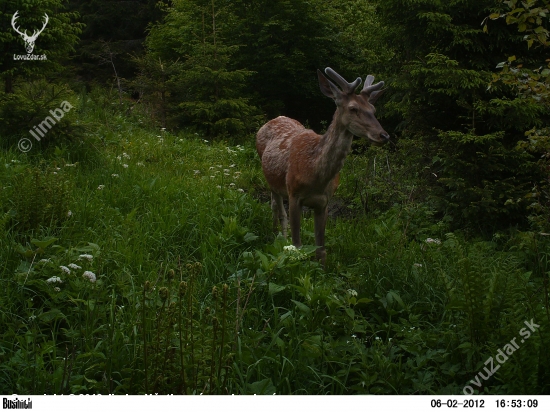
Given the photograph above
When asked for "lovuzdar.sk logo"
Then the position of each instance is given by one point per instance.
(29, 40)
(16, 404)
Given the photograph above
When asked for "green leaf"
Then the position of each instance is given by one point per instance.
(397, 298)
(250, 237)
(303, 308)
(43, 244)
(273, 288)
(51, 315)
(263, 387)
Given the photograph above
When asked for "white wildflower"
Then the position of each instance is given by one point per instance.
(240, 190)
(119, 157)
(45, 260)
(226, 170)
(140, 164)
(85, 256)
(417, 265)
(377, 338)
(436, 241)
(212, 177)
(65, 269)
(69, 213)
(57, 289)
(100, 187)
(197, 172)
(290, 248)
(89, 275)
(125, 155)
(232, 165)
(352, 292)
(54, 173)
(125, 166)
(70, 165)
(231, 184)
(74, 266)
(54, 279)
(114, 175)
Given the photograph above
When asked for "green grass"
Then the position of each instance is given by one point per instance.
(195, 294)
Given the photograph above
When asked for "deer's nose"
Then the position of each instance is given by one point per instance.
(385, 136)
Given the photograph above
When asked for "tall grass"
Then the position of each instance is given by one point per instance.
(194, 294)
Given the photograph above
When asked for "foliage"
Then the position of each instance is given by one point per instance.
(121, 24)
(440, 91)
(532, 85)
(141, 260)
(29, 105)
(206, 89)
(56, 42)
(192, 294)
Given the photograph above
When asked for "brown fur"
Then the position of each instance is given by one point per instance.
(303, 167)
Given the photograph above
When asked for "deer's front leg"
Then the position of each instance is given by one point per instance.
(320, 219)
(295, 212)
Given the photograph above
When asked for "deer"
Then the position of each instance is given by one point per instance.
(29, 40)
(303, 167)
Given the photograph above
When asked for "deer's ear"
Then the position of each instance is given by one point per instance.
(374, 96)
(328, 88)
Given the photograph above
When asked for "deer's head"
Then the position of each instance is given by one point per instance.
(355, 111)
(29, 40)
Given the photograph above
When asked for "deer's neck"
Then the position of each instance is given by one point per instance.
(333, 148)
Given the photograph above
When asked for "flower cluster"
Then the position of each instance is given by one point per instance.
(90, 276)
(54, 279)
(435, 241)
(294, 253)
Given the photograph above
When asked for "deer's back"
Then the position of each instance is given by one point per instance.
(273, 143)
(276, 132)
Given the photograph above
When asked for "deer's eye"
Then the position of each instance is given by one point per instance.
(354, 110)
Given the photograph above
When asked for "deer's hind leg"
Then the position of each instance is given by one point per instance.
(279, 213)
(320, 218)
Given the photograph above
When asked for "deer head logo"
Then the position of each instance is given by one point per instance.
(29, 40)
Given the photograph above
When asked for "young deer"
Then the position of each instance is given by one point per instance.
(303, 167)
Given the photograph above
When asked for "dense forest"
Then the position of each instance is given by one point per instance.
(137, 253)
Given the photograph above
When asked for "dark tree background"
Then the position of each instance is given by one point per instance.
(223, 67)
